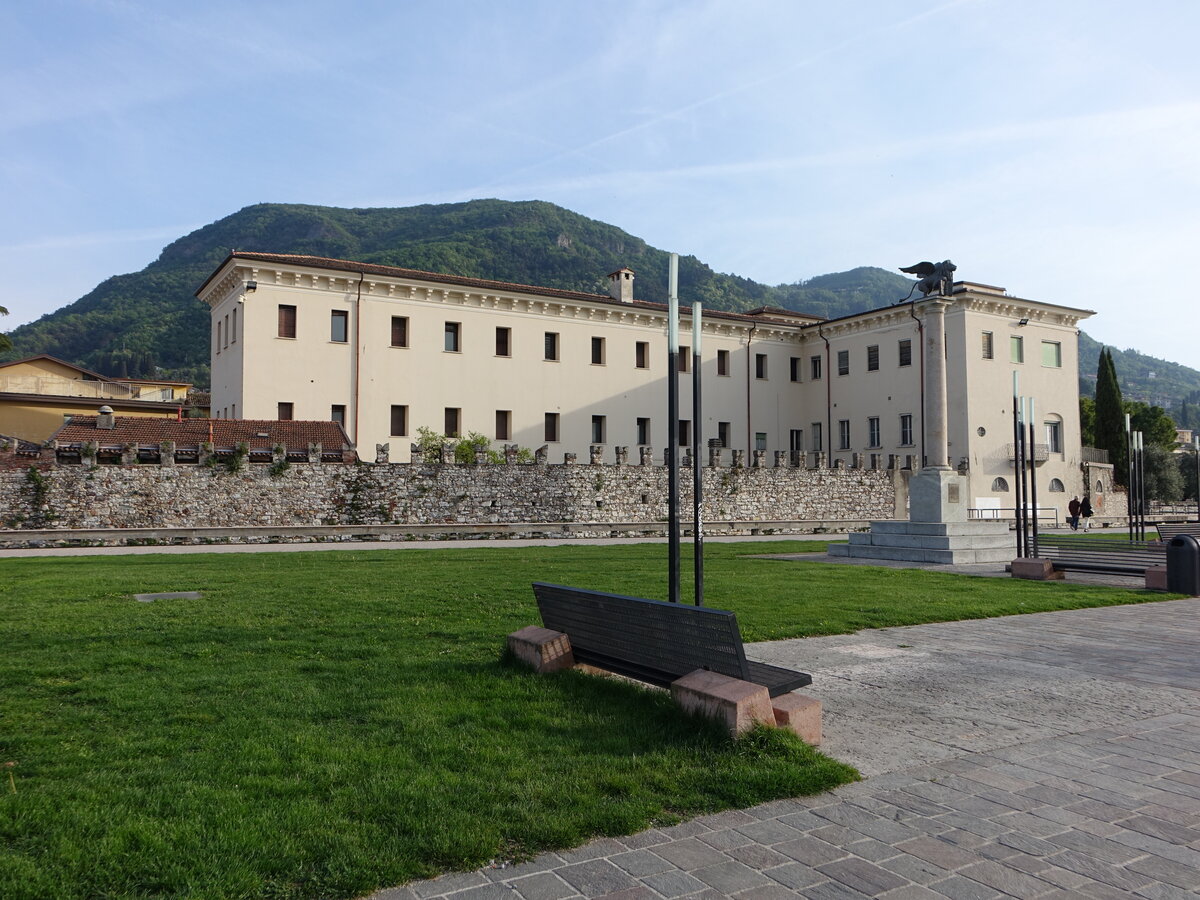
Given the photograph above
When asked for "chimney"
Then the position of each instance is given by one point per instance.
(105, 419)
(620, 285)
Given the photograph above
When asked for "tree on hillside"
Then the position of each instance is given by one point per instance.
(5, 343)
(1110, 417)
(1164, 480)
(1153, 422)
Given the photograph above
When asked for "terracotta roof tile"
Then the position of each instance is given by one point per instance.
(294, 435)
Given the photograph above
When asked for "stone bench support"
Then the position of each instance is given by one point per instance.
(801, 715)
(1156, 578)
(1035, 569)
(541, 649)
(736, 704)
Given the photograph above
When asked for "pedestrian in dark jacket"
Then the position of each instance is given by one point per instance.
(1085, 510)
(1073, 513)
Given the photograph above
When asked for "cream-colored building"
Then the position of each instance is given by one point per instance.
(384, 351)
(39, 393)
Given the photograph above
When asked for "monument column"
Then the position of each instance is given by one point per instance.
(935, 413)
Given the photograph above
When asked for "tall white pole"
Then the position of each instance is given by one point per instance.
(697, 465)
(673, 428)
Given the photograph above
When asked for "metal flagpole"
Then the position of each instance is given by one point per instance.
(697, 466)
(1130, 509)
(1141, 477)
(673, 429)
(1033, 478)
(1018, 463)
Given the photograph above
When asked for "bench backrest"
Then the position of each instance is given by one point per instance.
(1169, 530)
(1100, 550)
(648, 640)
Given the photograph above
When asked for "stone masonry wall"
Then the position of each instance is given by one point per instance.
(151, 495)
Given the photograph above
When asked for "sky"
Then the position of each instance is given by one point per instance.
(1050, 147)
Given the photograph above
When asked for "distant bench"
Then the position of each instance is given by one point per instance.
(1166, 531)
(653, 641)
(1116, 557)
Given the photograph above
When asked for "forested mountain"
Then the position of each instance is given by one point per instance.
(149, 324)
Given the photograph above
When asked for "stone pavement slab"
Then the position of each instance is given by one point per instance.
(1046, 756)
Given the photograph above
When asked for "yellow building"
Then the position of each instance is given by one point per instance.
(38, 394)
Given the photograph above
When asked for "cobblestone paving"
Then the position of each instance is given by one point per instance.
(1033, 801)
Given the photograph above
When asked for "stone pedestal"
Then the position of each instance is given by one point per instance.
(1034, 569)
(801, 715)
(541, 649)
(951, 543)
(736, 704)
(937, 495)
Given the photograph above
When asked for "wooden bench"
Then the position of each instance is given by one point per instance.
(1116, 557)
(1167, 530)
(653, 641)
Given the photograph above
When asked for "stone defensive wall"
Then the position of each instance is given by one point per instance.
(773, 493)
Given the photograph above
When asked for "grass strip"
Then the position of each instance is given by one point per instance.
(321, 724)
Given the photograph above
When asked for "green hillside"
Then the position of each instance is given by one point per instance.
(149, 324)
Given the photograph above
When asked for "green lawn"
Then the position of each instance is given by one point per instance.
(324, 723)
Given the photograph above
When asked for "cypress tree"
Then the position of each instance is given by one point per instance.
(1110, 416)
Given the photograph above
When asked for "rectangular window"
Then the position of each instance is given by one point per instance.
(685, 358)
(1052, 354)
(873, 358)
(219, 333)
(233, 327)
(641, 355)
(815, 368)
(723, 429)
(760, 365)
(453, 341)
(399, 331)
(685, 433)
(843, 434)
(339, 326)
(551, 351)
(504, 342)
(1054, 437)
(794, 368)
(760, 440)
(337, 413)
(597, 351)
(905, 351)
(989, 345)
(873, 432)
(598, 429)
(227, 332)
(817, 442)
(287, 321)
(504, 424)
(906, 431)
(453, 422)
(1016, 349)
(643, 432)
(233, 411)
(399, 421)
(551, 427)
(722, 362)
(843, 362)
(796, 440)
(284, 412)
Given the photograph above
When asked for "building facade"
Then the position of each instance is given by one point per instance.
(385, 351)
(40, 393)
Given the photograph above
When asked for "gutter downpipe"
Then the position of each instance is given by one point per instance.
(921, 347)
(357, 350)
(828, 438)
(749, 338)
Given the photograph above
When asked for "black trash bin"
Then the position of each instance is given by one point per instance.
(1183, 565)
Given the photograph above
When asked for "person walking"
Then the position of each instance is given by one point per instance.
(1073, 513)
(1085, 510)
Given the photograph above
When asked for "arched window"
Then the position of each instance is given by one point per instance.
(1099, 487)
(1056, 486)
(1000, 486)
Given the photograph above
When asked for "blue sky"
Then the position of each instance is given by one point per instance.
(1052, 148)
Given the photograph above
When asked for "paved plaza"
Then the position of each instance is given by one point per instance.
(1054, 755)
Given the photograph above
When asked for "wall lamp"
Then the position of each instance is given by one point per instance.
(1021, 324)
(252, 286)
